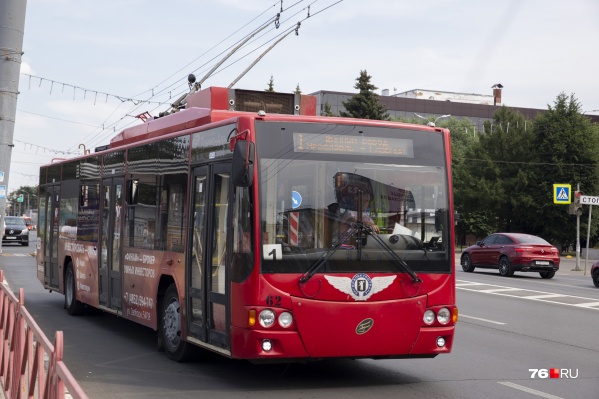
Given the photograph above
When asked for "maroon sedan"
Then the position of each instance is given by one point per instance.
(512, 252)
(595, 274)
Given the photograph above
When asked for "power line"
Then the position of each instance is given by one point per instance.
(103, 131)
(38, 147)
(92, 92)
(58, 119)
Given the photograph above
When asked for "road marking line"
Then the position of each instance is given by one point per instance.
(465, 283)
(587, 305)
(590, 303)
(543, 296)
(529, 390)
(499, 290)
(478, 318)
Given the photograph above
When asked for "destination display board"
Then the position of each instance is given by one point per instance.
(357, 145)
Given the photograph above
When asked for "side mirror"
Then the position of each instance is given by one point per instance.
(242, 172)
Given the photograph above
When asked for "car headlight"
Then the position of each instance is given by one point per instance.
(266, 318)
(285, 319)
(429, 317)
(443, 316)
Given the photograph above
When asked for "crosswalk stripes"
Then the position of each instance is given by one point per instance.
(532, 295)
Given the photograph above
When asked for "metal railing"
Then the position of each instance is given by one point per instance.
(24, 371)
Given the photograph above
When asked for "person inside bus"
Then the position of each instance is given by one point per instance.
(351, 216)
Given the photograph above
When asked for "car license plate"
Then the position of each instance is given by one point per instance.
(11, 238)
(543, 262)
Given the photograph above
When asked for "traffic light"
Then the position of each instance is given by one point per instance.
(575, 207)
(20, 199)
(577, 204)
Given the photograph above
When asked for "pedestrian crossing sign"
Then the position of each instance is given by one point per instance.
(562, 194)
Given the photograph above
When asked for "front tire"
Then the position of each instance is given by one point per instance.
(467, 265)
(71, 304)
(596, 278)
(547, 274)
(170, 327)
(505, 267)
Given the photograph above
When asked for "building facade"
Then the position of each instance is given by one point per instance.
(432, 104)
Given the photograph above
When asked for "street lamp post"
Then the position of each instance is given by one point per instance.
(431, 123)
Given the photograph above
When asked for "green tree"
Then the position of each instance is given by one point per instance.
(503, 178)
(297, 90)
(490, 174)
(327, 111)
(271, 86)
(567, 151)
(365, 104)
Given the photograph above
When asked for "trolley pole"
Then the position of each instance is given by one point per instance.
(12, 26)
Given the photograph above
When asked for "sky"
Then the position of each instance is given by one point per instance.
(89, 67)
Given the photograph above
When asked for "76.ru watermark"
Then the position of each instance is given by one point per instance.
(553, 373)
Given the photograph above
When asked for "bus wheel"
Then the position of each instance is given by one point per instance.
(71, 304)
(170, 327)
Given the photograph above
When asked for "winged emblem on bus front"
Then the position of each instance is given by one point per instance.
(361, 286)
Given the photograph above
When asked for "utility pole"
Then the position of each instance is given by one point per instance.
(12, 26)
(578, 213)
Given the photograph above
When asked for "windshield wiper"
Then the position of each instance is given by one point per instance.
(358, 226)
(353, 227)
(397, 260)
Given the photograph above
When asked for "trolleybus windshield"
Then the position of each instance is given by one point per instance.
(319, 181)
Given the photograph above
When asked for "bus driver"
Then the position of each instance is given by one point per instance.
(352, 216)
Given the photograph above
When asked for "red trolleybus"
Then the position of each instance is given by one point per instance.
(249, 226)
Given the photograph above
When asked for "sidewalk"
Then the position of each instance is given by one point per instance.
(568, 265)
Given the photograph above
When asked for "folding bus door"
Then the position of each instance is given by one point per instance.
(111, 240)
(208, 280)
(50, 237)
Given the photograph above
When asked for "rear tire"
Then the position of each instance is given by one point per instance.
(170, 327)
(547, 274)
(71, 304)
(467, 265)
(505, 267)
(596, 278)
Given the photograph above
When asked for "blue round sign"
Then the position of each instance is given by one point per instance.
(296, 199)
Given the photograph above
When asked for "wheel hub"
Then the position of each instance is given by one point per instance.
(172, 321)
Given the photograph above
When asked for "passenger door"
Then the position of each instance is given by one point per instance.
(50, 237)
(208, 279)
(110, 273)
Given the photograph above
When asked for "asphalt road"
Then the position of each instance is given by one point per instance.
(507, 327)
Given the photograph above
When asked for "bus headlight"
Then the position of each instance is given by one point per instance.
(443, 316)
(285, 319)
(429, 317)
(266, 318)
